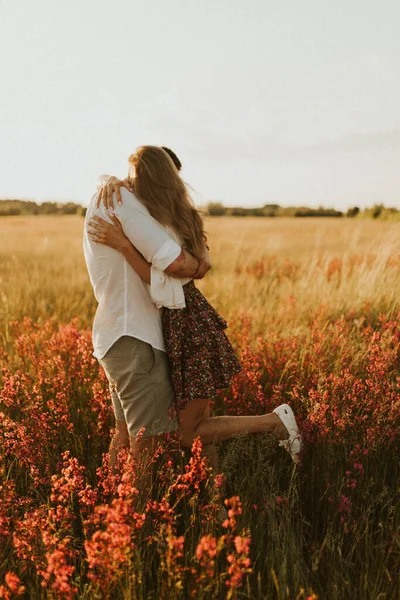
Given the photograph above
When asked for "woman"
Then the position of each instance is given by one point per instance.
(202, 359)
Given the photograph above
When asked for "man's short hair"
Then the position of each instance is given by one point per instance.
(174, 157)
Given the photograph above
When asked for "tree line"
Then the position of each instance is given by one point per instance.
(377, 211)
(28, 207)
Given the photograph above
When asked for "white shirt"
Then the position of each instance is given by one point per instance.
(163, 289)
(125, 305)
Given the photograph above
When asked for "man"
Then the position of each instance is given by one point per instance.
(127, 331)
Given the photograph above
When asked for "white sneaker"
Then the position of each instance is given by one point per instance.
(293, 443)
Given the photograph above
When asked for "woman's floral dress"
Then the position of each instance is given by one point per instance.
(201, 356)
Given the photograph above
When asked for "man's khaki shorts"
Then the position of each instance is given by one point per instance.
(140, 385)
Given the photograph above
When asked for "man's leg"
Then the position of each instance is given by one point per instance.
(142, 397)
(119, 440)
(143, 451)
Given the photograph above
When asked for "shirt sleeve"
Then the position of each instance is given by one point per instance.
(165, 290)
(145, 233)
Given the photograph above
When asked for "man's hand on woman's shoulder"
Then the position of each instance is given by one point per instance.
(110, 185)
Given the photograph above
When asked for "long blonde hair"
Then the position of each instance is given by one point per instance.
(158, 185)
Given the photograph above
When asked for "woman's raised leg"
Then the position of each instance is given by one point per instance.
(194, 422)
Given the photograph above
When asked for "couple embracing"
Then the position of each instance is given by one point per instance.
(161, 344)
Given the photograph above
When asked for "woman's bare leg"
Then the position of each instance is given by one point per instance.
(215, 429)
(194, 423)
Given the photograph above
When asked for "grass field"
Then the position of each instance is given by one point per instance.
(313, 309)
(261, 267)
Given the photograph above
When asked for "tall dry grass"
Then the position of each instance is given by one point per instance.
(281, 271)
(278, 270)
(313, 310)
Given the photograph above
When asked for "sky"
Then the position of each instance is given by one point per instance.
(264, 101)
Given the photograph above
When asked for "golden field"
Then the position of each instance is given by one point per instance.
(278, 270)
(313, 308)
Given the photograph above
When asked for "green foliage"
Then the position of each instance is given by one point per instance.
(353, 212)
(26, 207)
(377, 211)
(271, 210)
(304, 211)
(216, 209)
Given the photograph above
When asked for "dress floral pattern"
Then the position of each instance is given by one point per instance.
(201, 356)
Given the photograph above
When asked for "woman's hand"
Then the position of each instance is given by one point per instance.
(204, 267)
(204, 264)
(108, 234)
(107, 189)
